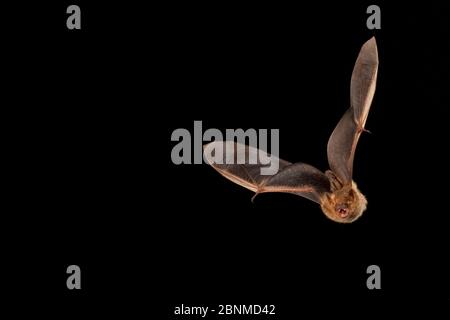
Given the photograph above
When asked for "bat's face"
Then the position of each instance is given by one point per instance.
(344, 205)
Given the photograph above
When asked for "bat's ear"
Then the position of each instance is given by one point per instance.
(369, 52)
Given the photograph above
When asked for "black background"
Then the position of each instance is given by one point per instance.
(92, 183)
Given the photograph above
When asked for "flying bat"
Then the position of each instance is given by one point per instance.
(334, 190)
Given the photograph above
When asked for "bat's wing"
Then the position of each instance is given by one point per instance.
(234, 162)
(343, 140)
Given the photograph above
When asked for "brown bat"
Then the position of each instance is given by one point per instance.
(334, 190)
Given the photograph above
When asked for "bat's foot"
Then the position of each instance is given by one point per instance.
(254, 196)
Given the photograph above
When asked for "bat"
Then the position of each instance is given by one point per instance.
(334, 190)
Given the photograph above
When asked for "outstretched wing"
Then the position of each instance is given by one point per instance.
(343, 140)
(242, 165)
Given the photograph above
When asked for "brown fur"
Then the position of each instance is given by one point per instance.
(349, 199)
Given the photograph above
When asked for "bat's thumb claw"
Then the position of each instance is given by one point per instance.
(364, 130)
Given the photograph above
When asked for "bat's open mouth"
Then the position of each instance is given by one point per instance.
(342, 211)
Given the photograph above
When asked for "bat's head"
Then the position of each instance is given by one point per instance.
(344, 205)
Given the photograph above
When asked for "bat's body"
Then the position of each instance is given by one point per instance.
(343, 200)
(334, 190)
